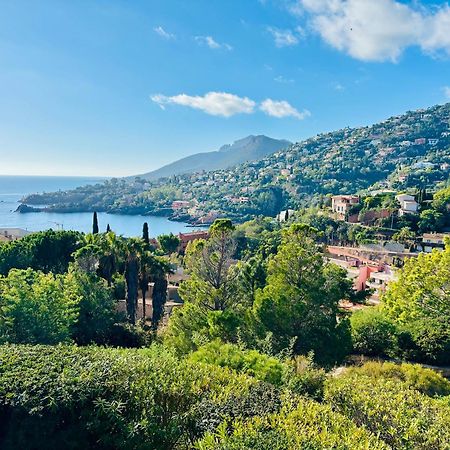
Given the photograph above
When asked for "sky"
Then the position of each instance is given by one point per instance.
(119, 87)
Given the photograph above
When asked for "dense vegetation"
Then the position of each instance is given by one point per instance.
(411, 151)
(249, 361)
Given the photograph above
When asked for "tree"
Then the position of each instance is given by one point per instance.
(169, 243)
(96, 308)
(108, 228)
(431, 220)
(37, 308)
(145, 235)
(212, 282)
(159, 269)
(419, 301)
(405, 236)
(95, 223)
(48, 251)
(132, 278)
(300, 301)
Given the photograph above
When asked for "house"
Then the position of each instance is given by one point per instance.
(180, 204)
(405, 144)
(185, 238)
(341, 204)
(433, 141)
(445, 166)
(420, 141)
(408, 204)
(423, 165)
(284, 216)
(12, 234)
(430, 241)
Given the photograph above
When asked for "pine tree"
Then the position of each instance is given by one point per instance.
(95, 223)
(145, 233)
(108, 228)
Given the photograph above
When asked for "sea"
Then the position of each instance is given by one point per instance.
(14, 188)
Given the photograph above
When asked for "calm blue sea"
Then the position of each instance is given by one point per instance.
(13, 188)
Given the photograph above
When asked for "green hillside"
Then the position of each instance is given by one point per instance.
(407, 151)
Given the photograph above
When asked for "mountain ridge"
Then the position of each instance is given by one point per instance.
(250, 148)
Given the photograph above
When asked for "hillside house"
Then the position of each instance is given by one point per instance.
(408, 204)
(180, 204)
(284, 216)
(12, 234)
(185, 238)
(341, 204)
(430, 241)
(423, 165)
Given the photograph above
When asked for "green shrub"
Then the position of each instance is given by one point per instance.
(308, 426)
(251, 362)
(404, 418)
(424, 380)
(373, 333)
(90, 397)
(299, 375)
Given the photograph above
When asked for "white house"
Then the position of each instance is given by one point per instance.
(423, 165)
(408, 204)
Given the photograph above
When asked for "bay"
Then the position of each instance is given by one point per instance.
(13, 188)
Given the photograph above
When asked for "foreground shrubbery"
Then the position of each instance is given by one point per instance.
(70, 397)
(415, 376)
(299, 374)
(401, 416)
(308, 425)
(90, 397)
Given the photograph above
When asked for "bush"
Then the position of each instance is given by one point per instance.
(424, 380)
(90, 397)
(402, 417)
(307, 426)
(250, 362)
(299, 375)
(373, 334)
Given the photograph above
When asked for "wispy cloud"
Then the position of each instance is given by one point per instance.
(210, 42)
(226, 105)
(338, 86)
(283, 80)
(163, 33)
(446, 90)
(213, 103)
(280, 109)
(378, 30)
(285, 38)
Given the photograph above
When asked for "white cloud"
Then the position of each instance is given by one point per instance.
(281, 109)
(377, 30)
(446, 90)
(212, 43)
(283, 80)
(213, 103)
(285, 38)
(163, 33)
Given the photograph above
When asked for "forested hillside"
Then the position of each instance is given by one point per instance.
(408, 151)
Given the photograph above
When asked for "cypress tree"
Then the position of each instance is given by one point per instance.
(108, 228)
(95, 223)
(145, 233)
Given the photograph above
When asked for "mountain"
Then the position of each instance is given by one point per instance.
(250, 148)
(402, 153)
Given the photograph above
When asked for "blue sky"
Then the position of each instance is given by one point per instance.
(110, 87)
